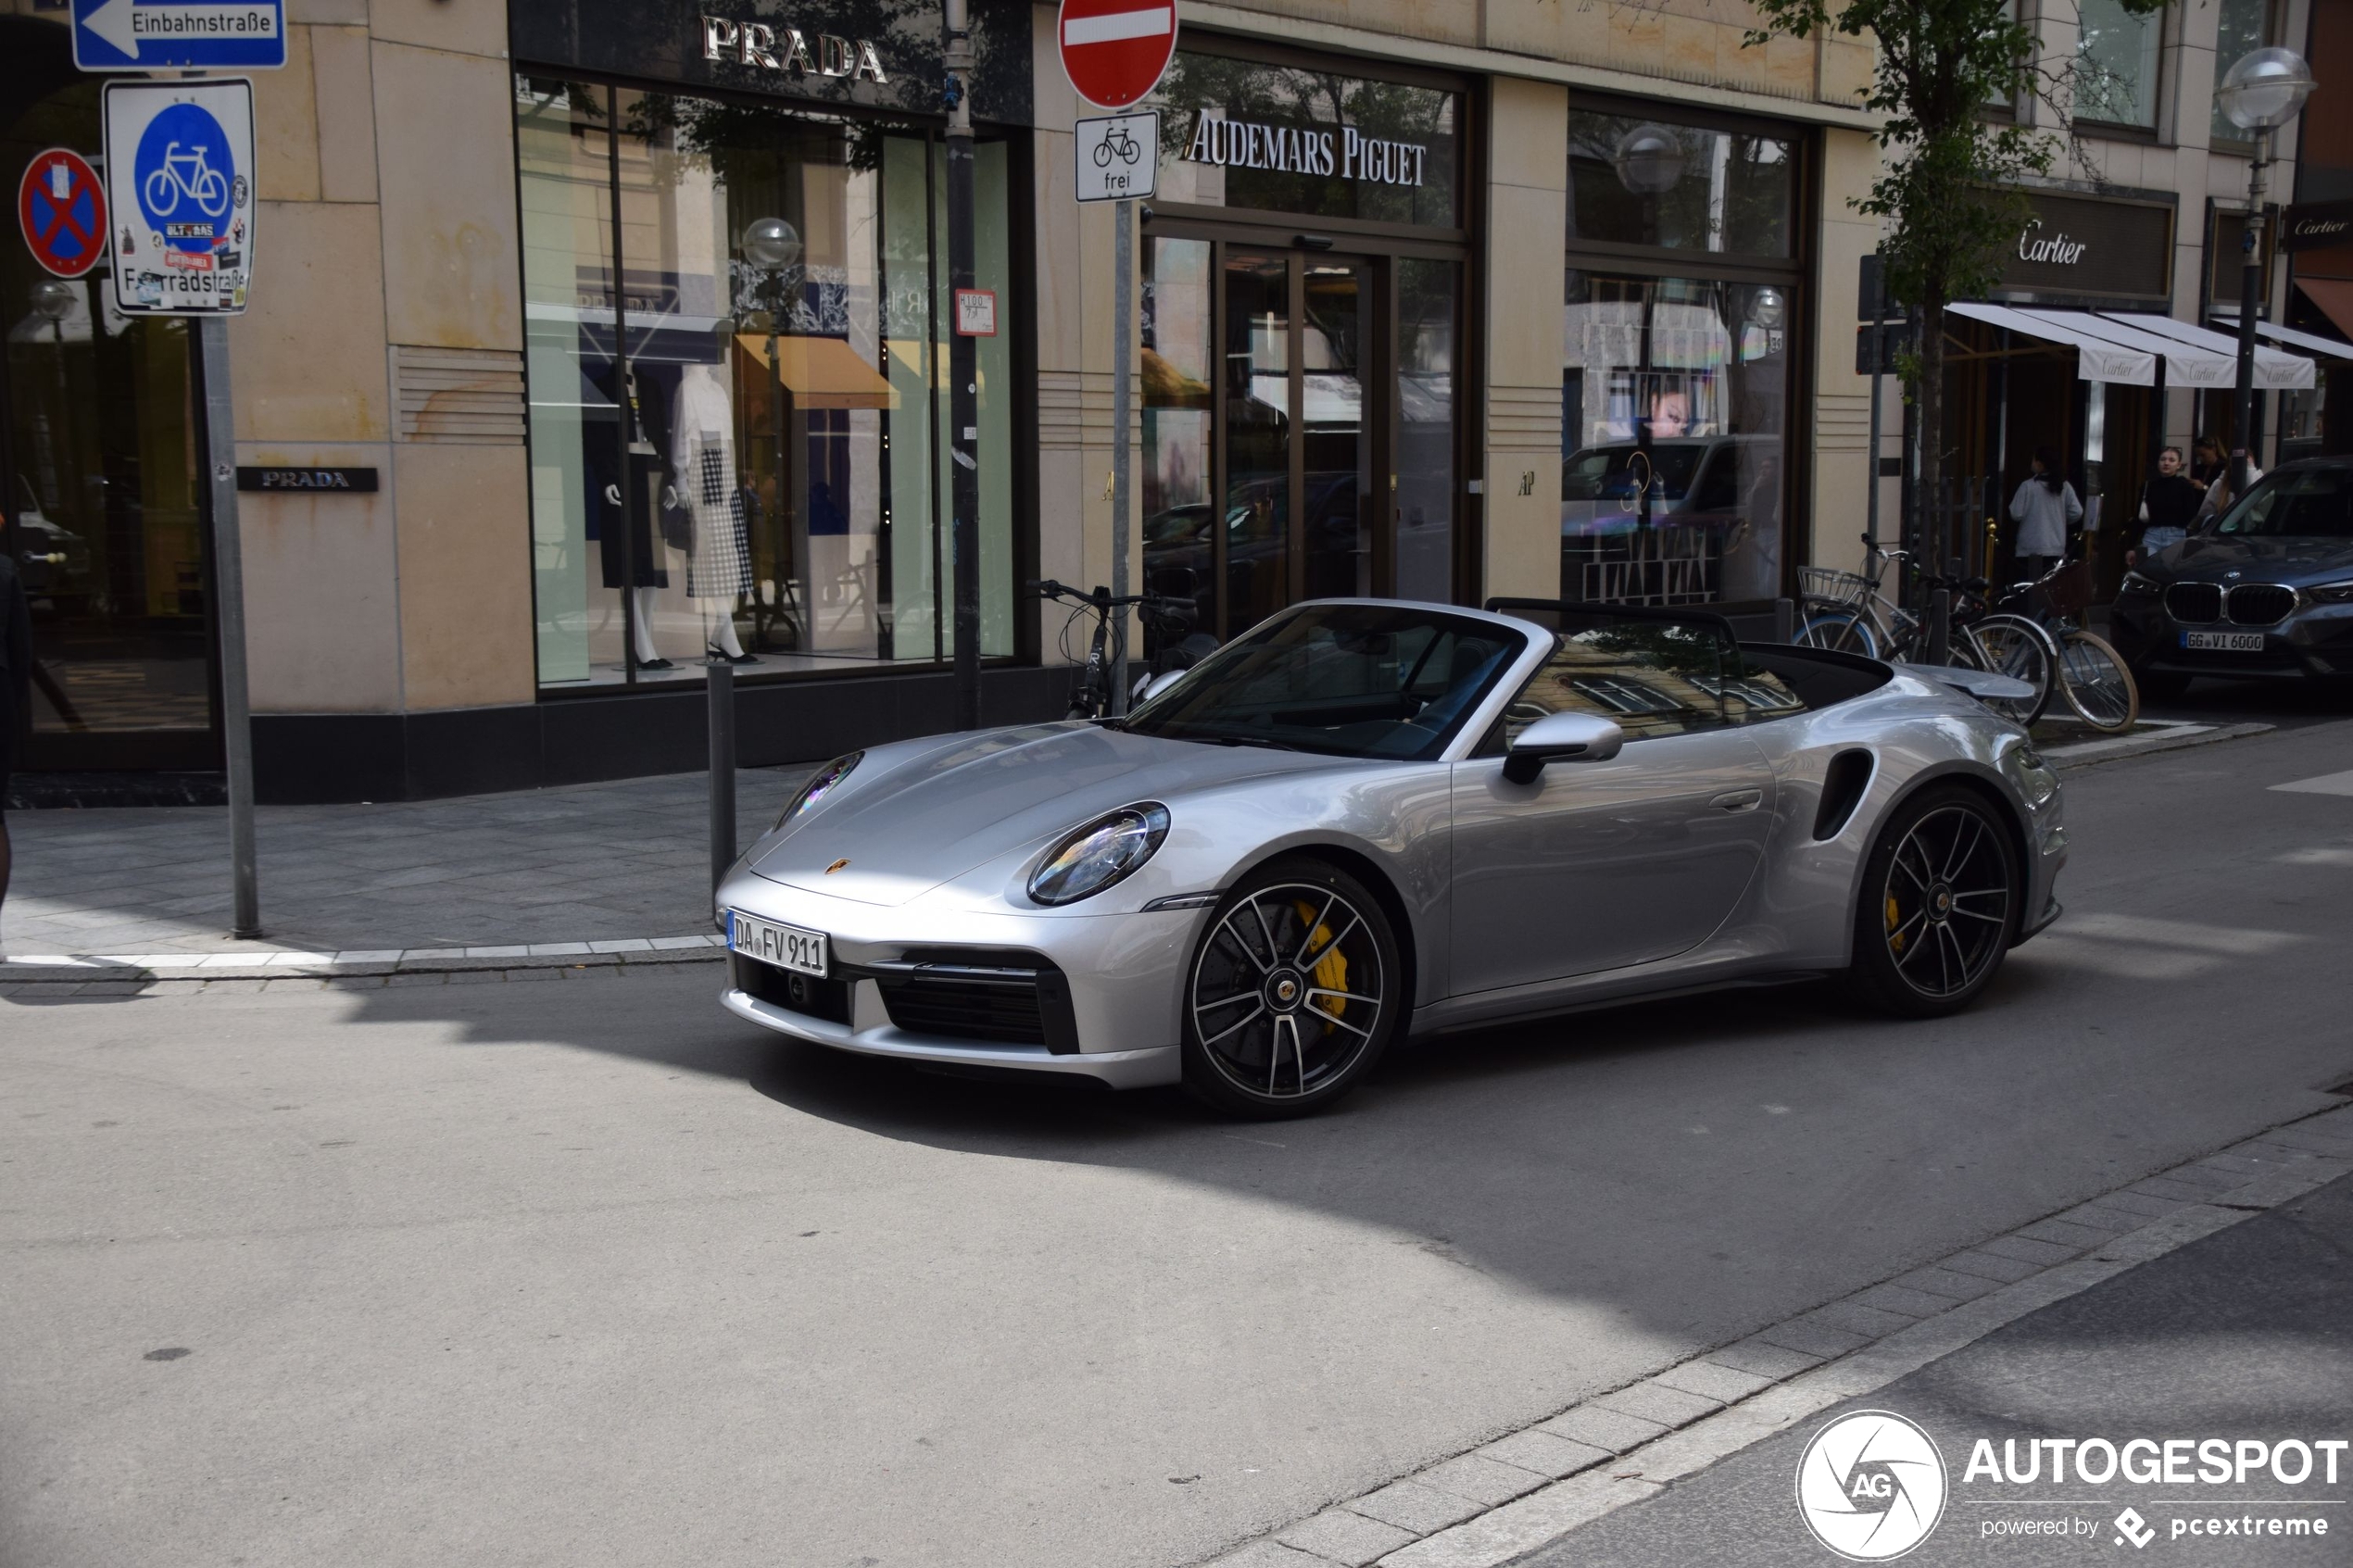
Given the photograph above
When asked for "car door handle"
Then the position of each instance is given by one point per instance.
(1739, 800)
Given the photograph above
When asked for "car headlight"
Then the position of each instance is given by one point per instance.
(2332, 593)
(1100, 854)
(2136, 584)
(820, 785)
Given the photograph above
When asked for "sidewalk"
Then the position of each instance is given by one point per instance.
(615, 864)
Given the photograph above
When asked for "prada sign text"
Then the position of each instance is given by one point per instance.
(789, 50)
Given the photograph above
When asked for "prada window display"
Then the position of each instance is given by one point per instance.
(737, 451)
(1678, 324)
(1299, 418)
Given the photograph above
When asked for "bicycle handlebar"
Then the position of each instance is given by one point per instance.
(1047, 588)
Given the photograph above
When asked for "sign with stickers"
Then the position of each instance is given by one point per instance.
(179, 191)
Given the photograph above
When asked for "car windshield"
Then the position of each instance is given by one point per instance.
(1615, 472)
(2314, 503)
(1344, 680)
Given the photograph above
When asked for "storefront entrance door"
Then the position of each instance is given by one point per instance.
(1273, 466)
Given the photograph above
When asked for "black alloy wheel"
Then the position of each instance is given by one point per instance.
(1940, 903)
(1294, 993)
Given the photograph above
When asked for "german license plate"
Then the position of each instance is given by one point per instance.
(787, 946)
(2224, 642)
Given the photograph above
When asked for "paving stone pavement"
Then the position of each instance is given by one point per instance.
(1525, 1489)
(582, 863)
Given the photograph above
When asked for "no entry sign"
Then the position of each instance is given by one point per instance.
(1113, 51)
(62, 206)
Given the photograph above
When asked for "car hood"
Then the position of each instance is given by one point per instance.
(933, 816)
(2295, 561)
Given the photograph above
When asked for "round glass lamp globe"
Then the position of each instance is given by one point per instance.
(1649, 160)
(770, 243)
(1765, 308)
(53, 299)
(2265, 89)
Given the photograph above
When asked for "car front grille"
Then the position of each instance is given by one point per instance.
(805, 994)
(2194, 603)
(1025, 1003)
(2260, 604)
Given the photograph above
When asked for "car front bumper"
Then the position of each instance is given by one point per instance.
(954, 987)
(2314, 640)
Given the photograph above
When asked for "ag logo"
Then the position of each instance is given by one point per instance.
(1870, 1485)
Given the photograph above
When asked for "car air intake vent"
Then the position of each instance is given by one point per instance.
(988, 1001)
(1843, 785)
(2260, 604)
(2194, 603)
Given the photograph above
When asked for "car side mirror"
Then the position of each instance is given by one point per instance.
(1562, 738)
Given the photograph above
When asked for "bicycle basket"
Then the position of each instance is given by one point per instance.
(1828, 583)
(2069, 588)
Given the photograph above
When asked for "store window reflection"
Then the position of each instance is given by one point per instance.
(753, 469)
(1674, 375)
(103, 512)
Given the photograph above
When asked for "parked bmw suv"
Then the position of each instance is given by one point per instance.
(2264, 590)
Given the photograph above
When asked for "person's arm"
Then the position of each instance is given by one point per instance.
(2074, 506)
(2017, 502)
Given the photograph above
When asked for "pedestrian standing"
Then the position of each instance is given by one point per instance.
(2168, 504)
(16, 679)
(2045, 508)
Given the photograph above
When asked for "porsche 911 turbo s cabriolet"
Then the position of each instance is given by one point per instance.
(1367, 820)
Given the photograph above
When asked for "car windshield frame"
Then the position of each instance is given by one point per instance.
(2268, 492)
(1286, 683)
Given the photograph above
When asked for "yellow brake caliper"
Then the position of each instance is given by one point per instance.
(1894, 920)
(1332, 969)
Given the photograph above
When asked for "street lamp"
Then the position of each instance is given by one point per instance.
(1649, 160)
(2261, 93)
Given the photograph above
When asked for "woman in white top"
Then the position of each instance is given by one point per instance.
(2045, 508)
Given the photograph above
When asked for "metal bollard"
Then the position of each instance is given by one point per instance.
(721, 690)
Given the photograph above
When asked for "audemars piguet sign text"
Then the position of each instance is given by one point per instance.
(1342, 152)
(789, 50)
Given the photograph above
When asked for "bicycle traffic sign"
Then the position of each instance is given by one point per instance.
(180, 181)
(1114, 51)
(1118, 157)
(179, 34)
(62, 206)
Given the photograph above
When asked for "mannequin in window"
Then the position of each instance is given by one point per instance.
(649, 575)
(702, 431)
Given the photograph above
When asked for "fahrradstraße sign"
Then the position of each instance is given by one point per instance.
(1118, 157)
(181, 196)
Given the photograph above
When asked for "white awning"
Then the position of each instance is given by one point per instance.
(2311, 343)
(2187, 363)
(2273, 369)
(2096, 357)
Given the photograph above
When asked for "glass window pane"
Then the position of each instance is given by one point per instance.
(2239, 31)
(1287, 139)
(1425, 467)
(1652, 182)
(1673, 393)
(1177, 430)
(1257, 391)
(2116, 65)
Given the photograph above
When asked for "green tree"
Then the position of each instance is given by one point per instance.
(1949, 196)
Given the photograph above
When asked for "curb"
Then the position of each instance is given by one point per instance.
(1527, 1488)
(2085, 753)
(115, 968)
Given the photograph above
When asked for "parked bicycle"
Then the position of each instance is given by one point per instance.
(1852, 612)
(1179, 647)
(2091, 675)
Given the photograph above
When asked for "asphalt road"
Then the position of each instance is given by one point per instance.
(2241, 1335)
(585, 1270)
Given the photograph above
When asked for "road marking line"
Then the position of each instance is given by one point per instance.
(2327, 784)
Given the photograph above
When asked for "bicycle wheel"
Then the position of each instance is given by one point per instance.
(2097, 684)
(2012, 646)
(1840, 631)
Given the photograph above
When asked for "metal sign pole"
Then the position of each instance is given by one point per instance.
(228, 616)
(1123, 331)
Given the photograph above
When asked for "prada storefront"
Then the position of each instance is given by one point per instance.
(1303, 276)
(734, 276)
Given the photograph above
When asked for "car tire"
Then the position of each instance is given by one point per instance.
(1941, 897)
(1294, 992)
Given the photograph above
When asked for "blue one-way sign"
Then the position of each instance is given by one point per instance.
(179, 34)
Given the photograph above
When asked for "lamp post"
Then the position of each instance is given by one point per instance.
(964, 362)
(2261, 93)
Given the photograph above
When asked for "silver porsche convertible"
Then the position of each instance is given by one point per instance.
(1371, 821)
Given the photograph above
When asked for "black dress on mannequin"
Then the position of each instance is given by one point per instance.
(642, 494)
